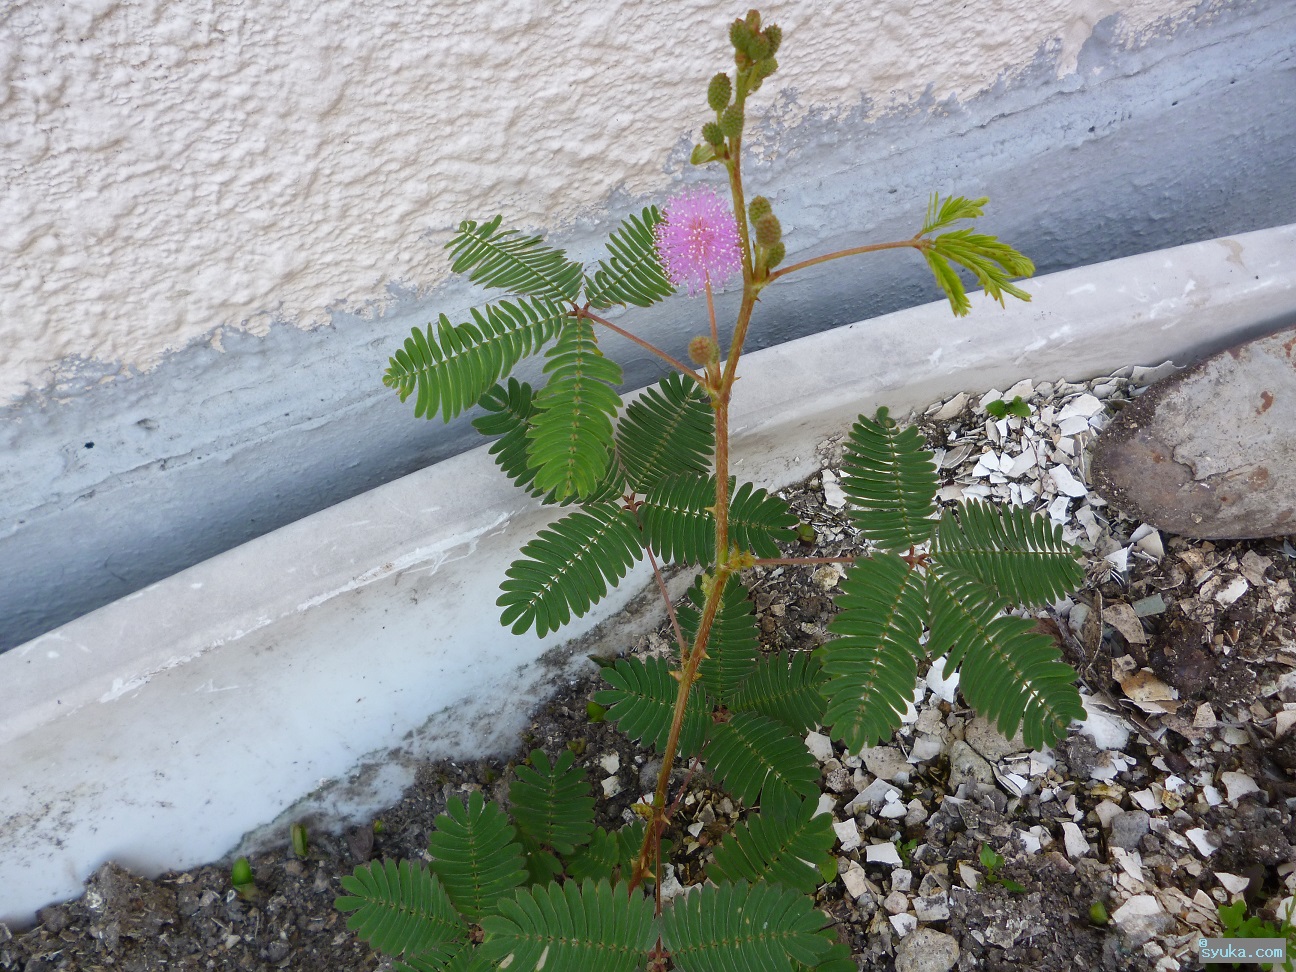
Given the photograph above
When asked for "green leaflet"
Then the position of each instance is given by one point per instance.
(552, 803)
(474, 854)
(570, 438)
(789, 849)
(449, 369)
(1018, 553)
(568, 568)
(787, 690)
(761, 928)
(641, 702)
(634, 273)
(510, 261)
(403, 911)
(1009, 672)
(990, 261)
(872, 666)
(681, 529)
(759, 759)
(668, 429)
(891, 482)
(571, 928)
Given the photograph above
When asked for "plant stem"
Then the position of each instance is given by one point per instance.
(715, 333)
(918, 243)
(670, 608)
(584, 312)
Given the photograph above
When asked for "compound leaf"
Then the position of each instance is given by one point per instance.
(891, 482)
(474, 854)
(670, 428)
(1018, 553)
(448, 369)
(510, 261)
(760, 928)
(733, 646)
(872, 666)
(680, 527)
(551, 802)
(787, 692)
(641, 702)
(634, 274)
(568, 568)
(571, 928)
(786, 849)
(760, 759)
(403, 911)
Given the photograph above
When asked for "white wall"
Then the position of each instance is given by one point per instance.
(172, 170)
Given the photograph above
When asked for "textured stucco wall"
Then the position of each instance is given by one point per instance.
(219, 219)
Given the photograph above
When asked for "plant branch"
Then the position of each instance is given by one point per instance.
(670, 608)
(680, 365)
(918, 243)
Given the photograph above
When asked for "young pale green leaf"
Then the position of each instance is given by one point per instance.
(759, 759)
(570, 437)
(752, 928)
(733, 646)
(948, 211)
(403, 911)
(1018, 553)
(890, 480)
(510, 261)
(571, 928)
(634, 274)
(475, 856)
(641, 702)
(786, 849)
(670, 428)
(872, 666)
(551, 802)
(680, 528)
(991, 262)
(787, 693)
(568, 568)
(449, 369)
(1009, 672)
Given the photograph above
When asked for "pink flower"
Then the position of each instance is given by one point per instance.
(697, 240)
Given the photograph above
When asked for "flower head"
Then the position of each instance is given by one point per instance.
(697, 240)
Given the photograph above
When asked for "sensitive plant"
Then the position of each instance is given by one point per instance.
(540, 886)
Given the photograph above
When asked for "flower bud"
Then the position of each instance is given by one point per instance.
(774, 35)
(768, 230)
(753, 20)
(711, 132)
(765, 67)
(718, 92)
(731, 121)
(760, 48)
(739, 35)
(758, 207)
(775, 254)
(703, 351)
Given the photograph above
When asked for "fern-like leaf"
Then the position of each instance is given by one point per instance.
(510, 261)
(403, 911)
(891, 482)
(474, 855)
(760, 759)
(733, 646)
(990, 261)
(641, 702)
(448, 369)
(836, 959)
(790, 849)
(634, 274)
(551, 802)
(872, 666)
(670, 428)
(680, 527)
(1010, 673)
(788, 693)
(568, 568)
(1018, 553)
(610, 856)
(570, 438)
(571, 928)
(760, 928)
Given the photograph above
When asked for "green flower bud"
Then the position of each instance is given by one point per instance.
(768, 230)
(774, 35)
(765, 67)
(702, 154)
(719, 92)
(703, 351)
(774, 256)
(739, 35)
(753, 20)
(711, 132)
(760, 48)
(758, 207)
(731, 121)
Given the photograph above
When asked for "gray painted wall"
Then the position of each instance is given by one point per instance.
(107, 487)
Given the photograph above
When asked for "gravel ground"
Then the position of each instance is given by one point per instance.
(1175, 796)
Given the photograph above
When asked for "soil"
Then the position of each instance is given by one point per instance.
(195, 920)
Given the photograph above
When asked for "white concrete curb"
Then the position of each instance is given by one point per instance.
(162, 729)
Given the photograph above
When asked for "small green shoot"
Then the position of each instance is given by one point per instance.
(992, 862)
(241, 878)
(1001, 409)
(805, 533)
(1238, 924)
(379, 827)
(299, 842)
(595, 712)
(577, 746)
(1098, 913)
(906, 851)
